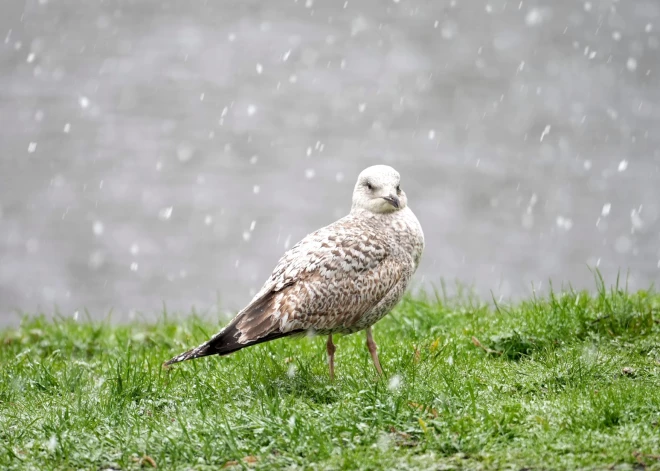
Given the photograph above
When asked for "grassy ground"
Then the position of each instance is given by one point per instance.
(565, 382)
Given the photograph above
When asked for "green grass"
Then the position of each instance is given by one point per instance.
(570, 381)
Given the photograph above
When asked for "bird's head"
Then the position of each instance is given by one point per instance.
(378, 190)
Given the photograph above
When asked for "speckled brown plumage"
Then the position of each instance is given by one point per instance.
(341, 278)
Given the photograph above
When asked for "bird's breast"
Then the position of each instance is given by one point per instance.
(407, 233)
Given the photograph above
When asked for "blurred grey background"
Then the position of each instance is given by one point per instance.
(169, 151)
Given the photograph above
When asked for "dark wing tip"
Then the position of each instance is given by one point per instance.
(256, 322)
(201, 351)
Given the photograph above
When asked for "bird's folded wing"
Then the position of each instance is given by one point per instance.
(325, 282)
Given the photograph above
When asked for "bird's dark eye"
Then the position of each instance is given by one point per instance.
(398, 189)
(369, 185)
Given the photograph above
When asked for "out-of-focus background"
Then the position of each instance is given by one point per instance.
(162, 151)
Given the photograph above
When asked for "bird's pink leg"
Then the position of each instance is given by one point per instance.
(371, 345)
(331, 356)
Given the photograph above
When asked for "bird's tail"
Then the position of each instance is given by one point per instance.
(226, 342)
(254, 324)
(223, 343)
(197, 352)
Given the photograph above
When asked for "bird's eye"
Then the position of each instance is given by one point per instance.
(398, 189)
(369, 185)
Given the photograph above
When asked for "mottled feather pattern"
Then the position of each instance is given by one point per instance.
(338, 275)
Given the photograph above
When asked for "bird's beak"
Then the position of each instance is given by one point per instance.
(393, 200)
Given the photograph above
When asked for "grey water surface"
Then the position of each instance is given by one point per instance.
(169, 151)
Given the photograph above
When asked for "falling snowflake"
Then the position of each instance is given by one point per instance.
(564, 223)
(636, 220)
(623, 165)
(98, 228)
(545, 132)
(165, 213)
(184, 152)
(606, 209)
(533, 17)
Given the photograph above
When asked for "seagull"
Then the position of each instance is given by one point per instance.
(340, 279)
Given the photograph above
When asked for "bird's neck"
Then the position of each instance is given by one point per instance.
(365, 213)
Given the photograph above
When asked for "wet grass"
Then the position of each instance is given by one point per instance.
(568, 381)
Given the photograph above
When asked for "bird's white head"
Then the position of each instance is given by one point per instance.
(378, 190)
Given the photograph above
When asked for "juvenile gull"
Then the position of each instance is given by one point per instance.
(342, 278)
